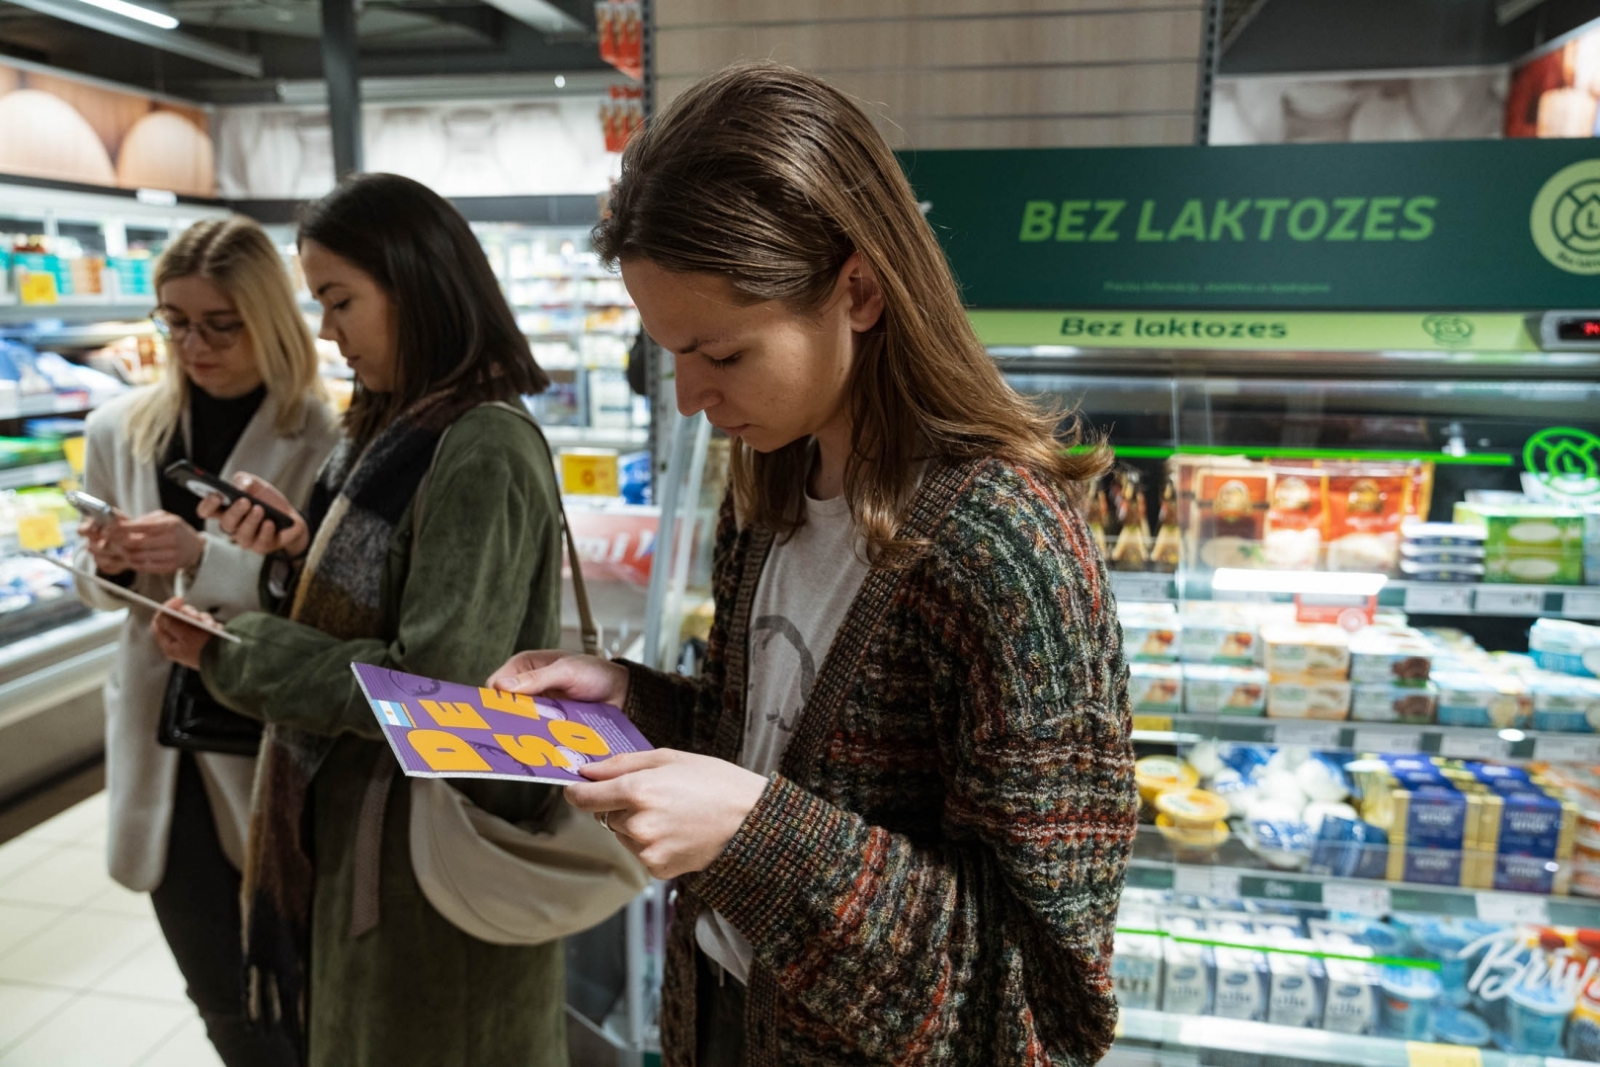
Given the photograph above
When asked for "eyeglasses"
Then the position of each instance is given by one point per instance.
(216, 337)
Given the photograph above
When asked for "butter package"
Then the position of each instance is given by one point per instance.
(1528, 543)
(1307, 651)
(1219, 640)
(1532, 842)
(1395, 659)
(1155, 688)
(1394, 703)
(1428, 832)
(1217, 690)
(1565, 704)
(1308, 698)
(1469, 698)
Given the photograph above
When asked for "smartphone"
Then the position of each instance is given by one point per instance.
(203, 485)
(92, 507)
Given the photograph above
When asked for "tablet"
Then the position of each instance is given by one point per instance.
(136, 598)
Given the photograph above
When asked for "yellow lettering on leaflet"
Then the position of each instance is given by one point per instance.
(510, 703)
(579, 738)
(532, 751)
(446, 752)
(455, 716)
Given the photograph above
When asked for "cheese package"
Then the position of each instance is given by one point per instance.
(1293, 540)
(1214, 690)
(1398, 659)
(1155, 688)
(1365, 511)
(1219, 639)
(1386, 702)
(1301, 651)
(1149, 637)
(1308, 698)
(1566, 647)
(1565, 704)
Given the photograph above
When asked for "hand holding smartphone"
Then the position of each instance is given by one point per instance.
(203, 485)
(93, 508)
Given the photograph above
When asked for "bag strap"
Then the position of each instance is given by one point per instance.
(586, 624)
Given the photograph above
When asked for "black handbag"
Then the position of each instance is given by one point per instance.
(192, 720)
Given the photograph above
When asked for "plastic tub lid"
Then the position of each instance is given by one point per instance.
(1453, 1026)
(1197, 808)
(1411, 983)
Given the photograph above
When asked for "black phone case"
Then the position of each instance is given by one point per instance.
(183, 472)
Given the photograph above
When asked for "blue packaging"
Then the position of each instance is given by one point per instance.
(1443, 942)
(1406, 1004)
(633, 474)
(1452, 1026)
(1536, 1019)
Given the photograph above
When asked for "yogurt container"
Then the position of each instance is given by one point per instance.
(1583, 1032)
(1566, 704)
(1443, 943)
(1405, 1007)
(1536, 1019)
(1565, 646)
(1155, 775)
(1468, 698)
(1452, 1026)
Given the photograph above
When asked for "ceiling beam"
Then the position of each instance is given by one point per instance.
(542, 15)
(183, 44)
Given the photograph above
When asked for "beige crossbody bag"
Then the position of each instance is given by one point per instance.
(499, 881)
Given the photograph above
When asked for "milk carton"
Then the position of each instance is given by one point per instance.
(1188, 971)
(1136, 971)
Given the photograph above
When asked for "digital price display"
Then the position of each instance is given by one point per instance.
(1571, 329)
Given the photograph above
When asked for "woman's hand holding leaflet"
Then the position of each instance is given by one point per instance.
(675, 810)
(247, 523)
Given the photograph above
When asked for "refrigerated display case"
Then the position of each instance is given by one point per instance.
(1243, 932)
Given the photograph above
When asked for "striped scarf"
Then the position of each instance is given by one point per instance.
(355, 506)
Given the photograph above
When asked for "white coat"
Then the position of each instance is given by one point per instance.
(141, 774)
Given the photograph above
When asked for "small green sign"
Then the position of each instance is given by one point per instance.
(1258, 331)
(1566, 461)
(1441, 226)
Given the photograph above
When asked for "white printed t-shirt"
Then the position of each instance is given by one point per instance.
(805, 590)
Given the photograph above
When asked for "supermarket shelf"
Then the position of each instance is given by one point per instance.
(99, 627)
(630, 439)
(39, 406)
(1189, 1033)
(37, 474)
(1240, 876)
(1457, 742)
(1417, 598)
(76, 310)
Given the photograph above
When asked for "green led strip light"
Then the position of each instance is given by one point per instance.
(1488, 459)
(1381, 961)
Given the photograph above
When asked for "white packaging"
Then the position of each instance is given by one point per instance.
(1155, 688)
(1210, 689)
(1187, 973)
(1295, 995)
(1136, 971)
(1308, 698)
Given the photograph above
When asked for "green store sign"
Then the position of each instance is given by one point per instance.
(1443, 226)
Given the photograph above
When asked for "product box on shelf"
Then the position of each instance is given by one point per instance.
(1565, 703)
(1188, 971)
(1308, 698)
(1219, 690)
(1155, 688)
(1218, 639)
(1389, 702)
(1242, 981)
(1528, 543)
(1469, 698)
(1136, 971)
(1565, 646)
(1379, 656)
(1150, 634)
(1301, 651)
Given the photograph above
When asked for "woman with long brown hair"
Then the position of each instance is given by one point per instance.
(899, 799)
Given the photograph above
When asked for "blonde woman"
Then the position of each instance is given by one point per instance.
(241, 392)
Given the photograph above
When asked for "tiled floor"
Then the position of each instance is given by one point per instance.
(85, 978)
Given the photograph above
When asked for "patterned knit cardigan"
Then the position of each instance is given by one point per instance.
(932, 876)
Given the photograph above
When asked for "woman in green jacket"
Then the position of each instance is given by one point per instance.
(430, 546)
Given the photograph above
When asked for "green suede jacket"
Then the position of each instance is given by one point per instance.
(482, 581)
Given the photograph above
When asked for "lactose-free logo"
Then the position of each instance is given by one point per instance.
(1566, 218)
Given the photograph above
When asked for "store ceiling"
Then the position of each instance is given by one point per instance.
(399, 39)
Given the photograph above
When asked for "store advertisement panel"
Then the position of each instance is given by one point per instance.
(1442, 226)
(55, 126)
(1557, 93)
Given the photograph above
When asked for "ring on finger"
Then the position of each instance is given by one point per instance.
(605, 819)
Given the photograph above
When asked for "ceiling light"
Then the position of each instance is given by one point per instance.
(1316, 583)
(134, 11)
(561, 81)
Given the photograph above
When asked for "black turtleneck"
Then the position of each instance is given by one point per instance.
(215, 427)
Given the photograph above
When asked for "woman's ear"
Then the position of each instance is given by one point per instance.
(866, 295)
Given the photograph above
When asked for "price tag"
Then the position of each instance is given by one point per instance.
(1426, 599)
(1428, 1054)
(1401, 741)
(39, 532)
(1513, 908)
(1567, 748)
(1474, 746)
(1581, 604)
(1142, 586)
(1206, 882)
(1509, 600)
(1154, 724)
(1359, 899)
(38, 287)
(1310, 734)
(73, 447)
